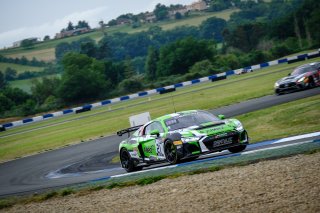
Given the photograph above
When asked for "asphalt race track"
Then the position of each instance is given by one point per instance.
(88, 161)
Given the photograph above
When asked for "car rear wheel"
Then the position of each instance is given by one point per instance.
(127, 162)
(236, 149)
(170, 151)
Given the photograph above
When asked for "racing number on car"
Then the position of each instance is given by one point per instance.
(159, 145)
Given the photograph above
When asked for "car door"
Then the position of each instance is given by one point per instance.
(152, 145)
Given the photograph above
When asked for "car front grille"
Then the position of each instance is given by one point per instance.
(221, 140)
(287, 85)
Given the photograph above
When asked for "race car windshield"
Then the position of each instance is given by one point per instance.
(302, 70)
(192, 119)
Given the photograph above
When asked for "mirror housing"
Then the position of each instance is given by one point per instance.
(222, 117)
(155, 132)
(289, 74)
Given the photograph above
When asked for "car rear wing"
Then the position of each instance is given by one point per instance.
(128, 130)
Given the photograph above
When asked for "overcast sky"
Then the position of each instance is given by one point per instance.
(21, 19)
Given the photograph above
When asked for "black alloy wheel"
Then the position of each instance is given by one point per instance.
(170, 151)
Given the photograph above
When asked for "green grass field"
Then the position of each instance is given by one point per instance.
(19, 68)
(45, 50)
(26, 84)
(292, 118)
(107, 122)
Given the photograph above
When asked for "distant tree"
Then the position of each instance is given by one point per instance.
(46, 38)
(82, 24)
(102, 27)
(129, 70)
(219, 5)
(61, 49)
(34, 62)
(112, 22)
(29, 107)
(83, 78)
(2, 80)
(101, 24)
(104, 51)
(89, 48)
(212, 28)
(246, 37)
(136, 24)
(178, 15)
(138, 64)
(17, 95)
(202, 67)
(5, 103)
(27, 44)
(161, 12)
(154, 30)
(10, 74)
(175, 6)
(226, 62)
(178, 57)
(42, 89)
(130, 85)
(114, 72)
(70, 26)
(23, 60)
(151, 63)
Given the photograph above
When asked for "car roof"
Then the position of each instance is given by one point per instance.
(164, 117)
(307, 65)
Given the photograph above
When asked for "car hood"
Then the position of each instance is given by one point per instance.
(208, 129)
(289, 79)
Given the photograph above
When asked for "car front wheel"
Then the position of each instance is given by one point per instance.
(170, 151)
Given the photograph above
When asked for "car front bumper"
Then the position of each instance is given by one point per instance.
(289, 87)
(215, 143)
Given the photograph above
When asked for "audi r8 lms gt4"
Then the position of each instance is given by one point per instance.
(303, 77)
(179, 136)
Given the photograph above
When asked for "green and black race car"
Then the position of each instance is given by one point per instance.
(179, 136)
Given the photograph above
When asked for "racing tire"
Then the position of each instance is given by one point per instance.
(170, 151)
(126, 161)
(311, 83)
(236, 149)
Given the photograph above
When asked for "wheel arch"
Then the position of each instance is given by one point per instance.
(173, 137)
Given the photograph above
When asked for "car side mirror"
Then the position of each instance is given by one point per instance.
(155, 132)
(221, 117)
(289, 74)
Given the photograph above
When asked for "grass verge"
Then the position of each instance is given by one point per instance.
(105, 122)
(294, 118)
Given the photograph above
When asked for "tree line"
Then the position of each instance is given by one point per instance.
(23, 61)
(126, 63)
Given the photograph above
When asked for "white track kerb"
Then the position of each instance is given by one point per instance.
(158, 90)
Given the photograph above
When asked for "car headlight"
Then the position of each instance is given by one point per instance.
(191, 139)
(239, 126)
(276, 85)
(301, 79)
